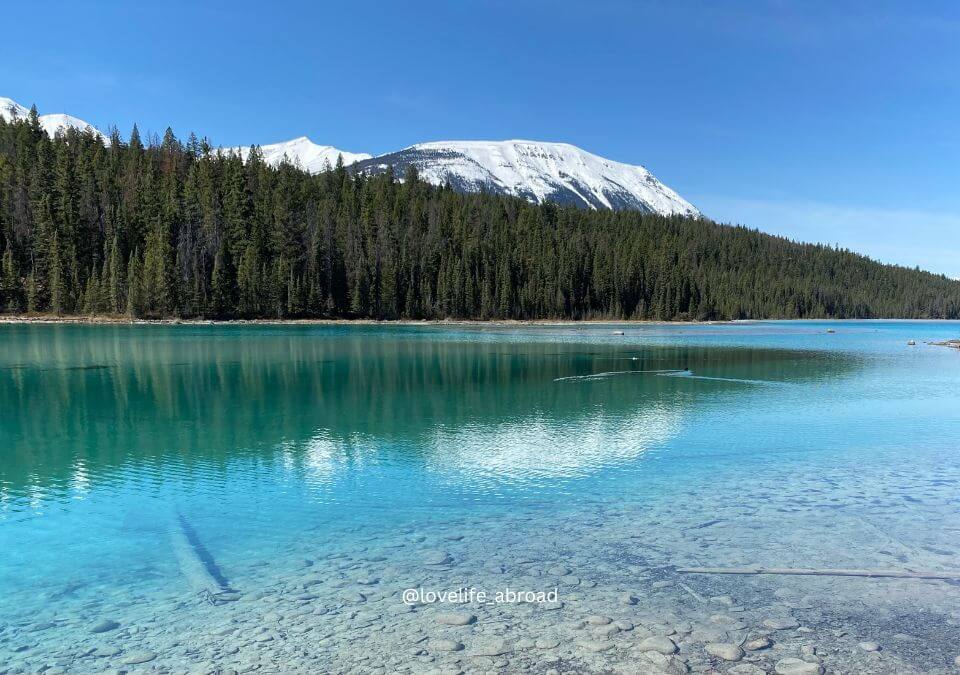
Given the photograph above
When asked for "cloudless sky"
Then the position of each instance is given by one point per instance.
(836, 122)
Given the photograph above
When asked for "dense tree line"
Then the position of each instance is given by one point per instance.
(166, 228)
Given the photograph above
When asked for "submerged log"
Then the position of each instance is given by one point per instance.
(196, 563)
(800, 571)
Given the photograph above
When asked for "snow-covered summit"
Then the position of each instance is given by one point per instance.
(51, 123)
(538, 171)
(303, 152)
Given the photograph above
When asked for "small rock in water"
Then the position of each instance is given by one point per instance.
(106, 651)
(456, 618)
(746, 669)
(724, 650)
(628, 599)
(491, 648)
(783, 623)
(870, 646)
(792, 666)
(759, 643)
(660, 644)
(445, 645)
(595, 646)
(134, 658)
(559, 571)
(597, 620)
(607, 631)
(104, 626)
(553, 643)
(436, 558)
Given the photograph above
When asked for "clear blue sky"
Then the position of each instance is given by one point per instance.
(824, 121)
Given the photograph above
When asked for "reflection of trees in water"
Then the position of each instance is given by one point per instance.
(102, 397)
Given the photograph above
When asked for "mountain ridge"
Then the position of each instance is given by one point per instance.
(538, 171)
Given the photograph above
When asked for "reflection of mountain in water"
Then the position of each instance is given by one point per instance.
(171, 402)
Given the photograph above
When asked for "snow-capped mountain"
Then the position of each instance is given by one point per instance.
(556, 172)
(539, 172)
(51, 123)
(304, 153)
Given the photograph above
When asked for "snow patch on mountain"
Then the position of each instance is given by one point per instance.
(302, 152)
(537, 171)
(50, 123)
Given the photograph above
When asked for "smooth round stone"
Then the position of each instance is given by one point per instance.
(491, 648)
(445, 645)
(570, 580)
(782, 623)
(133, 658)
(368, 581)
(524, 643)
(436, 558)
(456, 618)
(660, 644)
(595, 646)
(724, 650)
(759, 643)
(628, 599)
(553, 643)
(559, 571)
(106, 651)
(870, 646)
(792, 666)
(623, 625)
(104, 626)
(550, 606)
(746, 669)
(607, 631)
(597, 620)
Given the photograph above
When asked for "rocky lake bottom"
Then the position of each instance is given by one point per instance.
(272, 575)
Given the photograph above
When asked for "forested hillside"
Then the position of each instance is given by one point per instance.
(167, 228)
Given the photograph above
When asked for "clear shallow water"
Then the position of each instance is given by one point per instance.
(309, 460)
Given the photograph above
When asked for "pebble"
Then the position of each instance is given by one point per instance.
(491, 648)
(551, 643)
(792, 666)
(870, 646)
(597, 620)
(436, 558)
(783, 623)
(628, 599)
(759, 643)
(623, 625)
(134, 658)
(106, 651)
(104, 626)
(595, 646)
(608, 630)
(746, 669)
(445, 645)
(724, 650)
(660, 644)
(456, 618)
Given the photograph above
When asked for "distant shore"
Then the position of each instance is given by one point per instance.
(119, 319)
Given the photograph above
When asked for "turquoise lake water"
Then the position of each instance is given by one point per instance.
(318, 471)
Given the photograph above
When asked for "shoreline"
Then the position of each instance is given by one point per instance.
(125, 320)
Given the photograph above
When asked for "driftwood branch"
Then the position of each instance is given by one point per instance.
(895, 574)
